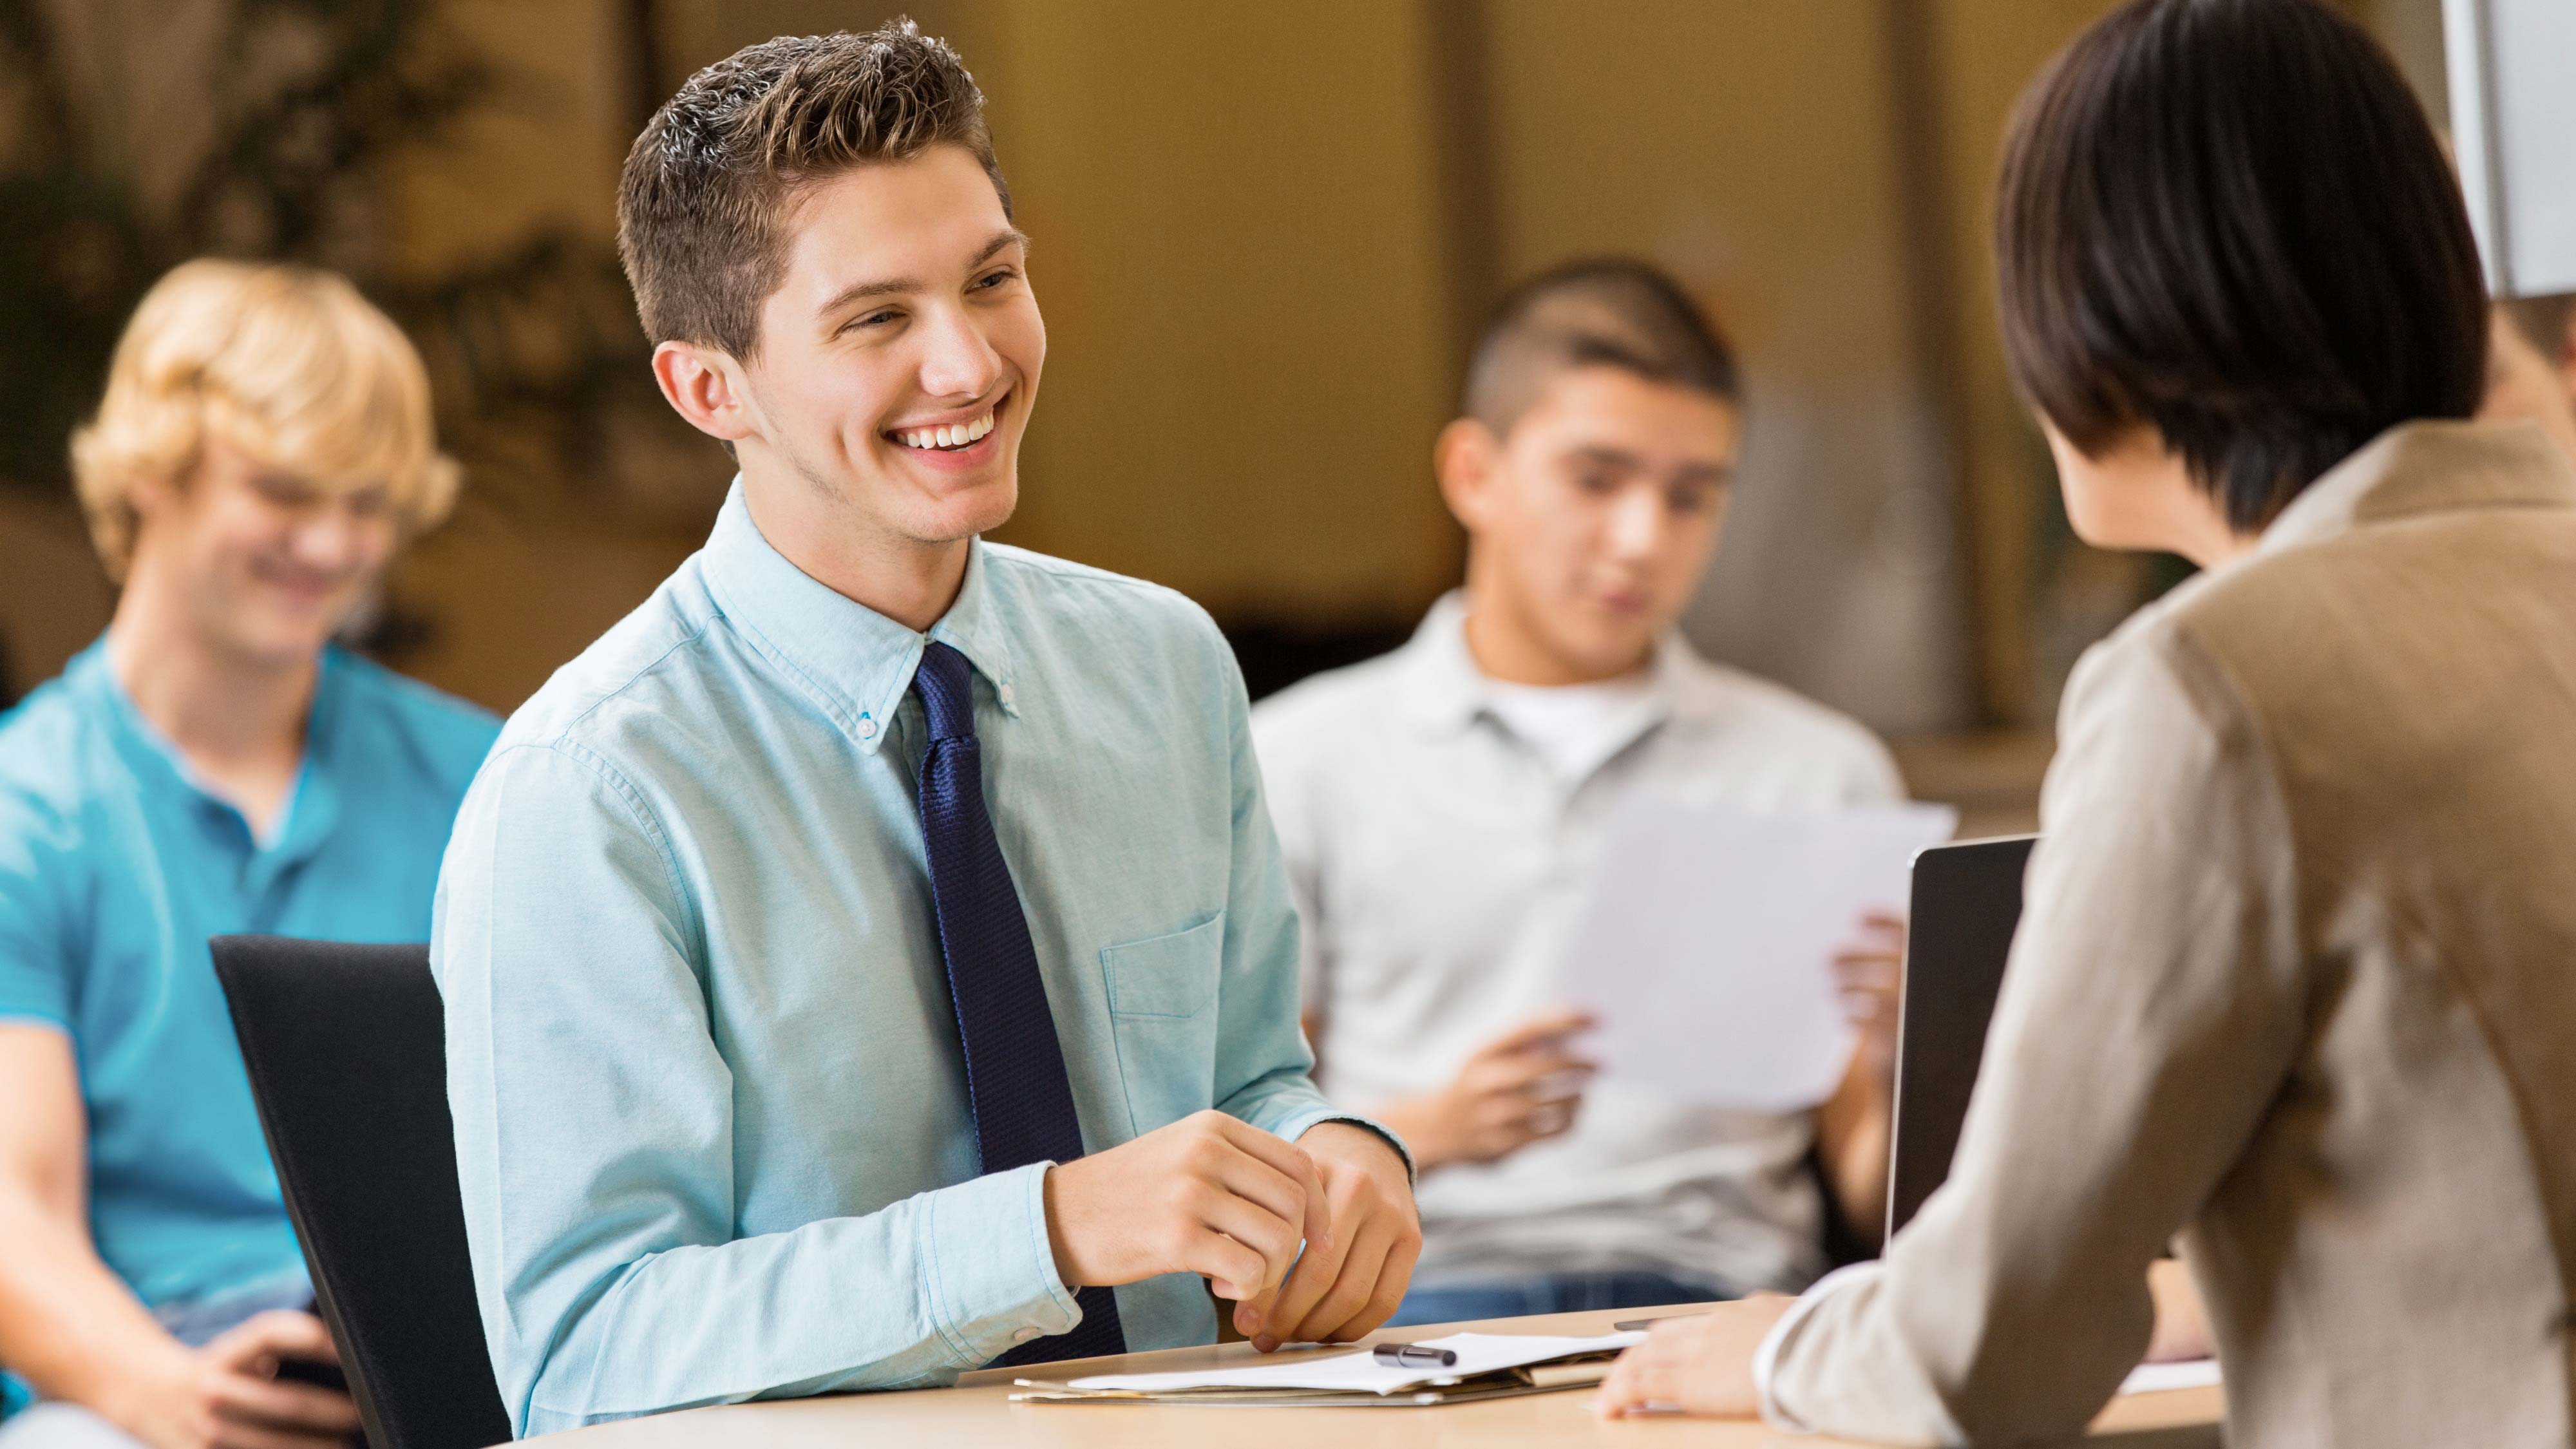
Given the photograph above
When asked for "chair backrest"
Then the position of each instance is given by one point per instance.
(1966, 906)
(346, 1047)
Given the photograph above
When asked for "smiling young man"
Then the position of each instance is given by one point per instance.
(214, 764)
(1442, 810)
(874, 951)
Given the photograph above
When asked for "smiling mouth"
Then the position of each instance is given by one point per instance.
(954, 437)
(306, 587)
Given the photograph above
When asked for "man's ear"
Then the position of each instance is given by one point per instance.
(706, 386)
(2564, 364)
(152, 492)
(1464, 459)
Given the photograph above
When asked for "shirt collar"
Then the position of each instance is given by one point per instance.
(855, 662)
(1445, 692)
(312, 802)
(2427, 467)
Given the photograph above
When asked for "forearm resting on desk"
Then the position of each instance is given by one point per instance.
(905, 1296)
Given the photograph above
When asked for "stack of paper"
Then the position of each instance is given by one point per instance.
(1489, 1366)
(2162, 1378)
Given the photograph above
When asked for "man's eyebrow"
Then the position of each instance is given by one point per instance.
(1002, 241)
(858, 292)
(1604, 454)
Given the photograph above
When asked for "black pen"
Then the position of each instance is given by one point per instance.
(1414, 1355)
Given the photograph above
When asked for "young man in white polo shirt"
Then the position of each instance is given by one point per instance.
(1441, 808)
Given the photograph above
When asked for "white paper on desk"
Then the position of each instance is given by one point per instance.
(1707, 948)
(1361, 1373)
(2158, 1378)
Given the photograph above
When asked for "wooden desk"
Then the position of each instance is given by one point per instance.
(978, 1412)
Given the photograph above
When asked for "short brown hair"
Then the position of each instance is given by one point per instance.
(1603, 312)
(2229, 220)
(708, 187)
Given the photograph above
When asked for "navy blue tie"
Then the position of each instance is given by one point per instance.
(1015, 1078)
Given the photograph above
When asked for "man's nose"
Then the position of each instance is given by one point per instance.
(330, 538)
(957, 361)
(1637, 523)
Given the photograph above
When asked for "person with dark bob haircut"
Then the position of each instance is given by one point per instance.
(2292, 982)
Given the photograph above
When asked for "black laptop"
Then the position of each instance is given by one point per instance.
(1966, 904)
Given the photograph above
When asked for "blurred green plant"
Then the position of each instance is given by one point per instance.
(305, 108)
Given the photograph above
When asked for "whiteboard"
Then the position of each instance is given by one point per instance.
(2512, 71)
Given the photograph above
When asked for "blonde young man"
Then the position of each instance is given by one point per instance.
(1441, 809)
(871, 958)
(214, 764)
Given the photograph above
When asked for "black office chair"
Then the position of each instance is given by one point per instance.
(347, 1053)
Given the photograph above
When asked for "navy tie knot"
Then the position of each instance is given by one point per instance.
(946, 684)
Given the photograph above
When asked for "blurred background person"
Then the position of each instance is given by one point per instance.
(1441, 809)
(2291, 976)
(213, 764)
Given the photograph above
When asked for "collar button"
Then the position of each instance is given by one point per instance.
(867, 727)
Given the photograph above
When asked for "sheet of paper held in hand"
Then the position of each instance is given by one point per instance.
(1478, 1353)
(1707, 948)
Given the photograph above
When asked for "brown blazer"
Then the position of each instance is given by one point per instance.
(2297, 977)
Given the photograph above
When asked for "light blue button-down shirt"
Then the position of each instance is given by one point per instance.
(711, 1115)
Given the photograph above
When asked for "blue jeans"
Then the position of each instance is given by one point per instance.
(1549, 1293)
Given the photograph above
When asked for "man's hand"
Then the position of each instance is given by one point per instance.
(1206, 1195)
(1870, 974)
(1349, 1283)
(227, 1395)
(1699, 1365)
(1517, 1089)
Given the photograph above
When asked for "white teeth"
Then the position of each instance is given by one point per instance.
(958, 435)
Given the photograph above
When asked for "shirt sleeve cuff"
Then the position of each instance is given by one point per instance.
(1305, 1121)
(1766, 1359)
(993, 1283)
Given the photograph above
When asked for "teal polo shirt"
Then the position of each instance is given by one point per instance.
(115, 868)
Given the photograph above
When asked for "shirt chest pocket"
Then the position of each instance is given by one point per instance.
(1163, 1009)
